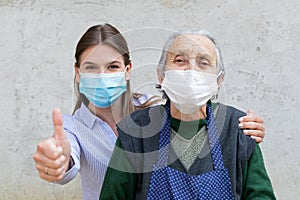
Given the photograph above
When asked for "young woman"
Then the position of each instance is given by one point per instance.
(84, 141)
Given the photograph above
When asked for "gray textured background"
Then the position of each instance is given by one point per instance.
(260, 43)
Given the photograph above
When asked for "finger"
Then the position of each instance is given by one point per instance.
(59, 133)
(255, 133)
(51, 178)
(42, 161)
(257, 139)
(251, 118)
(252, 126)
(56, 172)
(250, 112)
(48, 149)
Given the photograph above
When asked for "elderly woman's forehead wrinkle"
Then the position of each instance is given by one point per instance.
(193, 46)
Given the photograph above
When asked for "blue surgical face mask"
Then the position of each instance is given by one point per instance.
(102, 89)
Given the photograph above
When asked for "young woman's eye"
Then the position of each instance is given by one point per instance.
(90, 67)
(113, 67)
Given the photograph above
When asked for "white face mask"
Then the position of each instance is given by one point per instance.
(188, 90)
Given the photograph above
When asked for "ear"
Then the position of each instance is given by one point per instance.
(220, 79)
(160, 76)
(77, 75)
(128, 71)
(160, 79)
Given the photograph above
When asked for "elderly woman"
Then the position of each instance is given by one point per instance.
(191, 147)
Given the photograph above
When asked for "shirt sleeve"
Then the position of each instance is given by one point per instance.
(119, 181)
(256, 182)
(75, 154)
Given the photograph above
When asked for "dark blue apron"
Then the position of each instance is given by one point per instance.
(168, 183)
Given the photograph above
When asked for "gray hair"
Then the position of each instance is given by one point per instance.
(162, 61)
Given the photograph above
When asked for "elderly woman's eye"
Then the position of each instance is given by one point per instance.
(179, 60)
(203, 62)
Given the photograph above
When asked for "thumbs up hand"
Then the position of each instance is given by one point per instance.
(52, 155)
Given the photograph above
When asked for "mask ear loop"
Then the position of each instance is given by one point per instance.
(219, 74)
(217, 95)
(164, 97)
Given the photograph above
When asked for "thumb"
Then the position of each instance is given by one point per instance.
(60, 136)
(59, 133)
(250, 112)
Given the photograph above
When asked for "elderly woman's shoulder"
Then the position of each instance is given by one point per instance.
(145, 116)
(230, 110)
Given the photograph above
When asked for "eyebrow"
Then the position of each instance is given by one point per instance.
(205, 56)
(115, 61)
(88, 63)
(202, 55)
(179, 52)
(91, 63)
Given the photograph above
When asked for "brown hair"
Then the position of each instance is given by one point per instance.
(108, 35)
(153, 100)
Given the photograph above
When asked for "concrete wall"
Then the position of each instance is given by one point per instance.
(260, 42)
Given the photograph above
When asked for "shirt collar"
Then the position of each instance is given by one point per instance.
(86, 116)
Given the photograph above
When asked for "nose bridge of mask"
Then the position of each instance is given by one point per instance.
(192, 79)
(103, 80)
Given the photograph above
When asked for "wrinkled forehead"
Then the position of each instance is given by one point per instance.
(192, 44)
